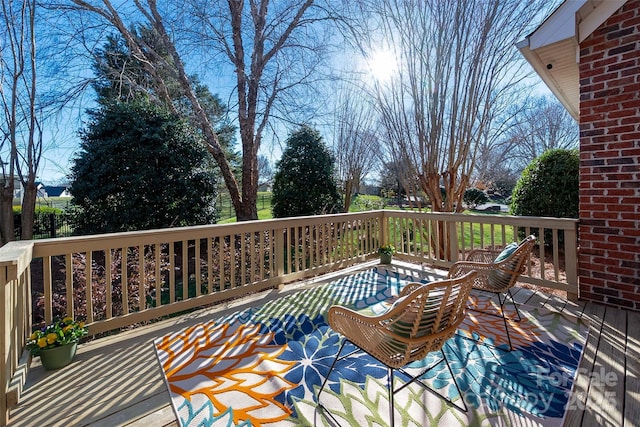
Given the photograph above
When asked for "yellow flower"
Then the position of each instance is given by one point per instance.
(67, 320)
(33, 336)
(42, 342)
(66, 328)
(81, 324)
(51, 338)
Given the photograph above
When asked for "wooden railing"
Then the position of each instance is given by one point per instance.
(132, 278)
(172, 270)
(440, 239)
(15, 321)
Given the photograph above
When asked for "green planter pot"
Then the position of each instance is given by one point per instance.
(58, 357)
(385, 258)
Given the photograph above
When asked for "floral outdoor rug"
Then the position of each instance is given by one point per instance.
(263, 366)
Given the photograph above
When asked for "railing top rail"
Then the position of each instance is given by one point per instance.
(117, 240)
(16, 257)
(523, 221)
(46, 247)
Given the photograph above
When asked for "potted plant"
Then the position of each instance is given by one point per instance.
(56, 344)
(386, 253)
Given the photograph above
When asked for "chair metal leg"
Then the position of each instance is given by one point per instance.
(504, 317)
(466, 409)
(419, 381)
(506, 327)
(514, 305)
(391, 400)
(390, 389)
(331, 369)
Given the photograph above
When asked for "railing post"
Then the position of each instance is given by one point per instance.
(15, 258)
(571, 261)
(280, 257)
(383, 229)
(452, 231)
(4, 344)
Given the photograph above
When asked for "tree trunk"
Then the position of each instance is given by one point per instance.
(28, 210)
(7, 229)
(431, 186)
(348, 195)
(248, 207)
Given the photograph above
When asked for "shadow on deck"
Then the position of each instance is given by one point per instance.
(117, 380)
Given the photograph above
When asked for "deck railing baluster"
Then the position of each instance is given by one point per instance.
(249, 257)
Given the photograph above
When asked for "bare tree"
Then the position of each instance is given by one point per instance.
(265, 171)
(456, 62)
(355, 143)
(397, 183)
(542, 124)
(260, 42)
(21, 147)
(530, 126)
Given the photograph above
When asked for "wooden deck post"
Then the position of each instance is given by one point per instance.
(4, 341)
(384, 229)
(15, 259)
(452, 232)
(571, 262)
(280, 257)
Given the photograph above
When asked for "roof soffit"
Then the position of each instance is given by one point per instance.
(553, 48)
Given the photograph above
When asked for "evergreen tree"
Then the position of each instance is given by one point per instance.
(140, 167)
(120, 77)
(304, 183)
(474, 197)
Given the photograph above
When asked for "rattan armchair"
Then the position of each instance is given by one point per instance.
(422, 319)
(496, 276)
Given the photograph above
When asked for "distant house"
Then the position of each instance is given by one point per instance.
(52, 190)
(57, 191)
(588, 53)
(41, 191)
(371, 190)
(265, 186)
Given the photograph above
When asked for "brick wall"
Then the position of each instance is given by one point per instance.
(609, 235)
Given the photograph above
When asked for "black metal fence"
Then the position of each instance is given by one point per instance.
(46, 225)
(58, 224)
(225, 210)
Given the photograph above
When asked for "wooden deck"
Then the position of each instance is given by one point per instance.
(116, 381)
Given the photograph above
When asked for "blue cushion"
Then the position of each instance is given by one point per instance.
(506, 252)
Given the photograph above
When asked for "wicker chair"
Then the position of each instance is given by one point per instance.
(422, 319)
(497, 275)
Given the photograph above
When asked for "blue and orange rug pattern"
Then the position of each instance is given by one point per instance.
(263, 366)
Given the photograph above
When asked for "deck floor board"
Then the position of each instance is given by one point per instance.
(604, 405)
(632, 377)
(594, 314)
(117, 381)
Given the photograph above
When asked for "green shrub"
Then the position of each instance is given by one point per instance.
(47, 210)
(548, 187)
(39, 210)
(474, 197)
(304, 182)
(141, 167)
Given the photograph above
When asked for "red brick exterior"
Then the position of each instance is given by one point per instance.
(609, 234)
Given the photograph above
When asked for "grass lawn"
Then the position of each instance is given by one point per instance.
(364, 203)
(227, 214)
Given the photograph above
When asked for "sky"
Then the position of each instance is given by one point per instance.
(62, 139)
(61, 134)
